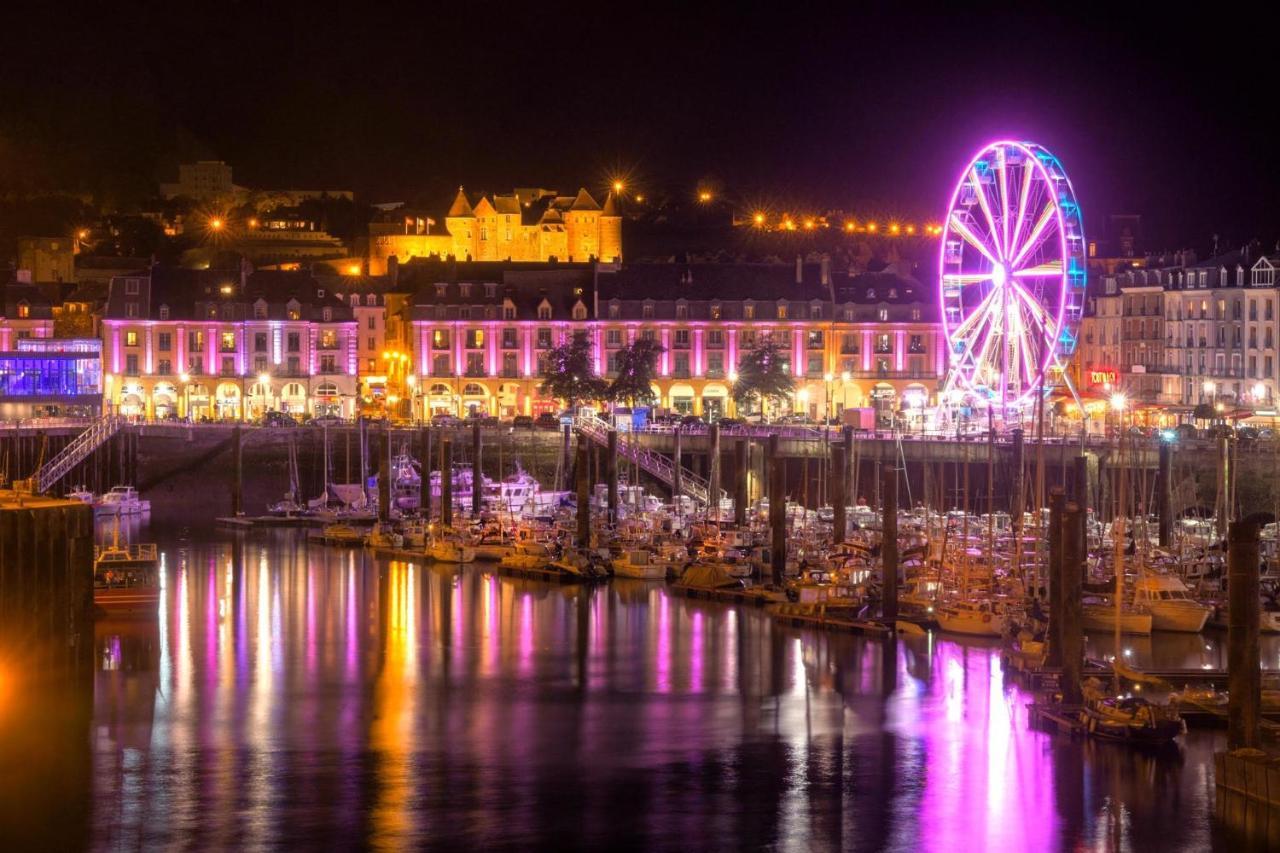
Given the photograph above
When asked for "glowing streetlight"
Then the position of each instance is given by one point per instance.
(353, 269)
(1259, 391)
(216, 223)
(759, 219)
(704, 196)
(264, 379)
(1118, 401)
(185, 377)
(618, 186)
(844, 376)
(871, 227)
(1209, 387)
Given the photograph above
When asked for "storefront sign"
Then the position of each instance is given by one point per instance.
(1102, 377)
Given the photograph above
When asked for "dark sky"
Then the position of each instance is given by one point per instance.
(872, 110)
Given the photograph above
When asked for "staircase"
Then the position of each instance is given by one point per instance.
(656, 464)
(76, 452)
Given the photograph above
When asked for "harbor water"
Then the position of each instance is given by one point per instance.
(290, 694)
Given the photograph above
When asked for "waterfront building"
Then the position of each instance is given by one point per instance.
(227, 345)
(527, 225)
(50, 376)
(478, 334)
(1123, 342)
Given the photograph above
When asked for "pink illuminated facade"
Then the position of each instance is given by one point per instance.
(227, 346)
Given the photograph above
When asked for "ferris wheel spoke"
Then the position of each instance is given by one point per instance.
(976, 316)
(961, 228)
(1027, 338)
(985, 204)
(1051, 269)
(1037, 234)
(1002, 170)
(965, 278)
(1028, 173)
(1045, 324)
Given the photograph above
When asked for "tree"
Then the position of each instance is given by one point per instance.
(637, 365)
(763, 375)
(570, 374)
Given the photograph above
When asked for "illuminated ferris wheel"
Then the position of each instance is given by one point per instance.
(1012, 275)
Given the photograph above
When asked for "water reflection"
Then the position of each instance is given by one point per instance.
(293, 693)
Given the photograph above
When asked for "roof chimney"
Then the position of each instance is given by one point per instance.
(826, 270)
(24, 276)
(799, 270)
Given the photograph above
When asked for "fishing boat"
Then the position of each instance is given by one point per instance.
(1170, 603)
(581, 563)
(1101, 615)
(447, 549)
(1131, 719)
(126, 582)
(526, 555)
(970, 617)
(340, 533)
(643, 563)
(121, 500)
(383, 536)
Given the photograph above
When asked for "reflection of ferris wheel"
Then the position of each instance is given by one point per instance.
(1012, 274)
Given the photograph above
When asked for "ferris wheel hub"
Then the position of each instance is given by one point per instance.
(999, 275)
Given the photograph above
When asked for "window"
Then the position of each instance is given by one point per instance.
(372, 322)
(748, 311)
(259, 341)
(509, 339)
(916, 344)
(371, 365)
(328, 339)
(782, 310)
(508, 312)
(464, 289)
(475, 339)
(370, 299)
(373, 343)
(715, 338)
(227, 341)
(164, 367)
(814, 365)
(164, 312)
(509, 365)
(682, 364)
(646, 311)
(259, 364)
(195, 365)
(439, 339)
(131, 310)
(647, 335)
(544, 339)
(440, 366)
(715, 364)
(294, 342)
(613, 337)
(884, 344)
(475, 364)
(715, 310)
(131, 287)
(815, 312)
(882, 314)
(260, 310)
(544, 311)
(294, 365)
(682, 311)
(328, 363)
(131, 339)
(814, 340)
(131, 364)
(228, 366)
(294, 310)
(164, 341)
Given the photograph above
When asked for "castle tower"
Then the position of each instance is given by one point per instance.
(582, 221)
(461, 222)
(610, 230)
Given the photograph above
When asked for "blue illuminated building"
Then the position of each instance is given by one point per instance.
(46, 377)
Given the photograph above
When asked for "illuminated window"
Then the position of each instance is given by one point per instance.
(24, 310)
(782, 311)
(228, 341)
(131, 339)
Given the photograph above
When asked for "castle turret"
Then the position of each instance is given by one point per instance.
(461, 222)
(610, 230)
(582, 221)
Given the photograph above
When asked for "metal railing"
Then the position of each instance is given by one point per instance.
(655, 463)
(76, 452)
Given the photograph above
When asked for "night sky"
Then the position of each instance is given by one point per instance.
(777, 104)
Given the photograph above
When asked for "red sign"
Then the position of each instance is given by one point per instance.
(1102, 377)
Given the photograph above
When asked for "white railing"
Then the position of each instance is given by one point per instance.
(655, 463)
(76, 452)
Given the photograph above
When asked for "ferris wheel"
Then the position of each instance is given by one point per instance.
(1012, 276)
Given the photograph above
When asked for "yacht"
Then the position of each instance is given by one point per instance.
(1099, 614)
(526, 555)
(122, 500)
(445, 549)
(645, 564)
(974, 618)
(1170, 603)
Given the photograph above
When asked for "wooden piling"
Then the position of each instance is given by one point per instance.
(1057, 502)
(477, 478)
(675, 469)
(1071, 574)
(1164, 494)
(424, 485)
(889, 545)
(777, 511)
(384, 477)
(1244, 674)
(740, 498)
(584, 496)
(839, 525)
(446, 482)
(713, 473)
(611, 474)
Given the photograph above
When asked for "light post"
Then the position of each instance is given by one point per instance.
(412, 381)
(185, 379)
(1118, 403)
(264, 384)
(828, 378)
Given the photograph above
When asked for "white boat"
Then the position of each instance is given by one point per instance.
(974, 618)
(641, 563)
(1170, 603)
(1101, 616)
(122, 500)
(382, 536)
(83, 495)
(527, 555)
(444, 550)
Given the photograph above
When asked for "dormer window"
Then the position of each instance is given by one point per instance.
(782, 310)
(871, 294)
(715, 310)
(646, 310)
(579, 310)
(355, 300)
(24, 310)
(294, 310)
(328, 315)
(490, 291)
(544, 310)
(370, 299)
(615, 310)
(748, 311)
(464, 290)
(164, 312)
(893, 293)
(260, 309)
(682, 311)
(508, 309)
(815, 311)
(320, 294)
(440, 290)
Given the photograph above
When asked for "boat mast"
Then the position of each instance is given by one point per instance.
(1117, 542)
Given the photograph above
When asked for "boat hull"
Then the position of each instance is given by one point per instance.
(1103, 618)
(1185, 619)
(127, 602)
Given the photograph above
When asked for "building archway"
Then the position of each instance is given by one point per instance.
(884, 399)
(475, 399)
(197, 401)
(293, 398)
(715, 401)
(227, 402)
(682, 399)
(326, 401)
(164, 400)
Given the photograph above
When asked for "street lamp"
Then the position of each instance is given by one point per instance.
(264, 381)
(1118, 403)
(185, 379)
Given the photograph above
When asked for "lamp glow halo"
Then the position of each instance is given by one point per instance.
(1011, 275)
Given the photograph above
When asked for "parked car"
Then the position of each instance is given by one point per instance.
(327, 420)
(444, 419)
(692, 420)
(726, 423)
(278, 419)
(547, 420)
(522, 422)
